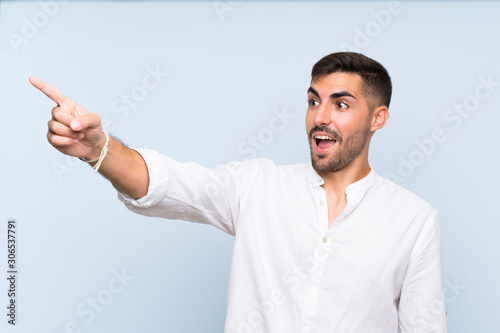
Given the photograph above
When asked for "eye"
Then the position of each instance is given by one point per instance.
(342, 105)
(312, 102)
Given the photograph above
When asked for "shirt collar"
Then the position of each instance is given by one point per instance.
(361, 185)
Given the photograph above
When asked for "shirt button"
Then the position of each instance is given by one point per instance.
(321, 202)
(319, 180)
(324, 239)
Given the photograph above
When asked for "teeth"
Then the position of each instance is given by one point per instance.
(323, 137)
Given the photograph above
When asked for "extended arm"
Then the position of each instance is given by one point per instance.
(76, 132)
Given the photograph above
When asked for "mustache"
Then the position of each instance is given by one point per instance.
(326, 130)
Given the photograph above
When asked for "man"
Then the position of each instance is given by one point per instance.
(326, 246)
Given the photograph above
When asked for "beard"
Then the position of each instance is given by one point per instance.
(350, 148)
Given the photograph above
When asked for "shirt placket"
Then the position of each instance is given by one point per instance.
(317, 260)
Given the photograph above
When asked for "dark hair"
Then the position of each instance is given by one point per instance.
(377, 84)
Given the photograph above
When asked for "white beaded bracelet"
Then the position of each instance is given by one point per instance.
(99, 160)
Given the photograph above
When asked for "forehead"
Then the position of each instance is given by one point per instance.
(334, 82)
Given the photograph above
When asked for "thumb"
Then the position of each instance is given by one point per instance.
(90, 121)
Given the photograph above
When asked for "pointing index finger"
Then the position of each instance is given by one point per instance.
(49, 90)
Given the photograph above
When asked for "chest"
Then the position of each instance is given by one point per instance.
(335, 208)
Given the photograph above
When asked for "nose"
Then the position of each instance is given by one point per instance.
(322, 116)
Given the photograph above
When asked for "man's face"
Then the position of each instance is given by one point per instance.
(338, 121)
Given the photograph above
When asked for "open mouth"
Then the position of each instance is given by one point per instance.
(323, 143)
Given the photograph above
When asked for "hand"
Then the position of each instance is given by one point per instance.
(72, 130)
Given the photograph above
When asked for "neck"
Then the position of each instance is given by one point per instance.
(338, 181)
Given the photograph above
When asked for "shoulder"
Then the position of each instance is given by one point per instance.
(396, 195)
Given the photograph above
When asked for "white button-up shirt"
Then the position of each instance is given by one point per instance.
(376, 269)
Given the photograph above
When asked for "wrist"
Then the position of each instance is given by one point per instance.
(102, 155)
(95, 152)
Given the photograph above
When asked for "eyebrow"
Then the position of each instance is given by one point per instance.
(334, 95)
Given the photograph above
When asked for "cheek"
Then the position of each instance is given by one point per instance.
(344, 127)
(348, 124)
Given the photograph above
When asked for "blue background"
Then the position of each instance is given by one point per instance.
(231, 65)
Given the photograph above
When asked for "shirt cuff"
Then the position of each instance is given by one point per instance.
(157, 177)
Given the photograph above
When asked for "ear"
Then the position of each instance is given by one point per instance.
(379, 117)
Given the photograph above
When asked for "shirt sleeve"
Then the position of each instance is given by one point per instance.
(189, 191)
(421, 304)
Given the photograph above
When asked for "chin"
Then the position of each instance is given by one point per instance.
(327, 163)
(322, 163)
